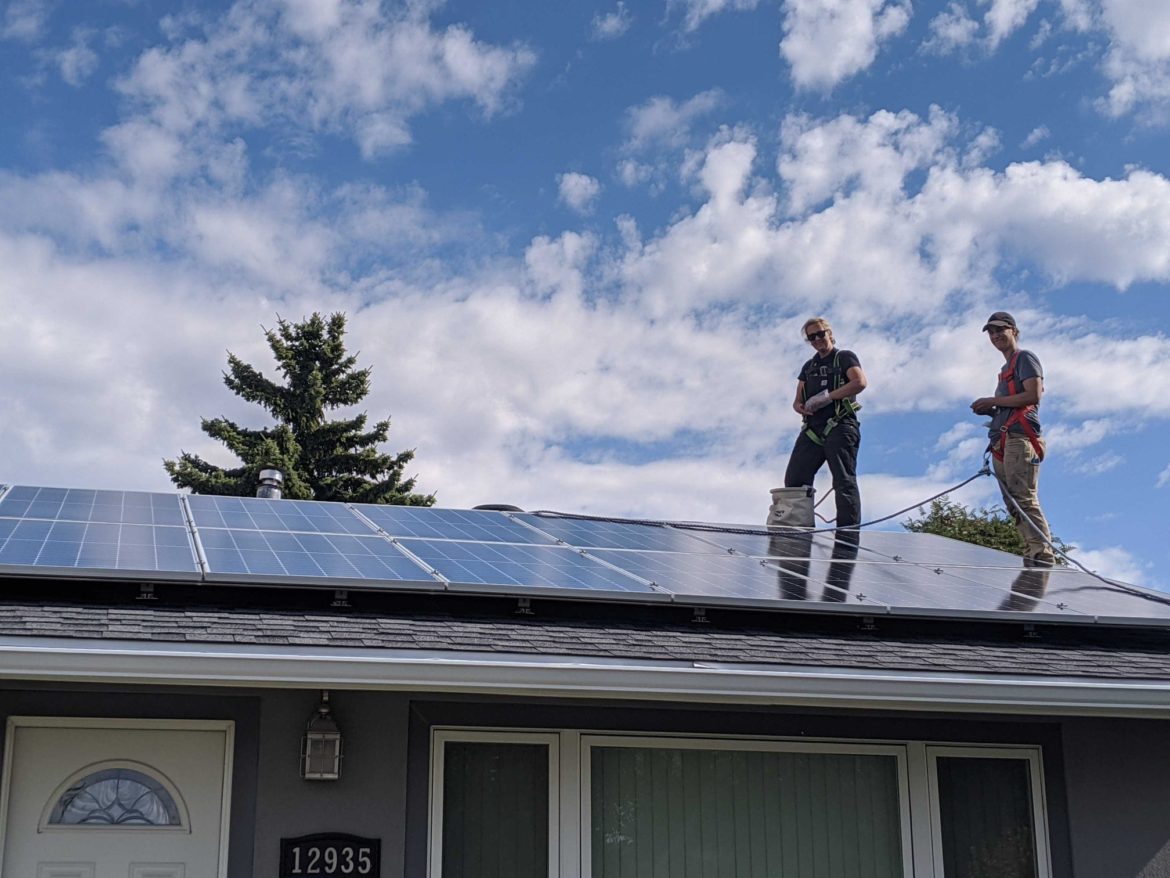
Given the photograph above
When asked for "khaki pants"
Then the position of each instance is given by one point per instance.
(1019, 475)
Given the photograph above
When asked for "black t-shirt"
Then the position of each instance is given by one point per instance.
(818, 374)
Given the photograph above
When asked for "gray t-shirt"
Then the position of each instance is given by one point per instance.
(1027, 366)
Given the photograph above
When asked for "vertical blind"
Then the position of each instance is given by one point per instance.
(695, 813)
(495, 810)
(985, 816)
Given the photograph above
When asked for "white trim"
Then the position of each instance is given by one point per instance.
(228, 727)
(1031, 755)
(440, 737)
(149, 662)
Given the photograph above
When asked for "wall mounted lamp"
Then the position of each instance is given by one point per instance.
(321, 745)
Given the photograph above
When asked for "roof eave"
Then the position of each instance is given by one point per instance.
(568, 676)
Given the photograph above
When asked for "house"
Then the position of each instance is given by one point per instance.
(204, 686)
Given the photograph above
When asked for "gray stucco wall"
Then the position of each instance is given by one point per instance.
(1118, 778)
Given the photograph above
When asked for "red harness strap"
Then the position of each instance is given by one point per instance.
(1017, 416)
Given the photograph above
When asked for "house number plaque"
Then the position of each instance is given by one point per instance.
(329, 854)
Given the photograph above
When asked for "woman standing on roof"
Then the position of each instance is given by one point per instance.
(826, 391)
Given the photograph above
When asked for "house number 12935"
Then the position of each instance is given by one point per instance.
(327, 855)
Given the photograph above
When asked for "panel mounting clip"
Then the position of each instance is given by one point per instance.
(146, 592)
(700, 616)
(340, 598)
(867, 624)
(524, 607)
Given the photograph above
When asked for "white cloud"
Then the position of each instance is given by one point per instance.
(578, 191)
(661, 122)
(826, 43)
(78, 62)
(695, 12)
(1163, 478)
(25, 19)
(1005, 17)
(612, 24)
(1138, 62)
(952, 29)
(1037, 135)
(347, 66)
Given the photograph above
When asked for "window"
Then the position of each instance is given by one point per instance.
(115, 796)
(684, 806)
(986, 813)
(494, 806)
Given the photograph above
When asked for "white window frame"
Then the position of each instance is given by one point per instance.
(440, 737)
(569, 772)
(1032, 756)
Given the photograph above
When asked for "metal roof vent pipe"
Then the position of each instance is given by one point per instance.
(792, 507)
(271, 483)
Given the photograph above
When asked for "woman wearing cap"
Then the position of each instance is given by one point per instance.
(1016, 444)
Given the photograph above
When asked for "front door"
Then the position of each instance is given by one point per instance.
(92, 798)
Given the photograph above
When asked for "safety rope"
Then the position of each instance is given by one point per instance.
(754, 531)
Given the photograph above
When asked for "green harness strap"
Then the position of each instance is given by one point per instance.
(843, 407)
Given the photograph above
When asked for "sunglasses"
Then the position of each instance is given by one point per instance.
(816, 336)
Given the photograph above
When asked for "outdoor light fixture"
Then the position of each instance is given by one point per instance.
(321, 745)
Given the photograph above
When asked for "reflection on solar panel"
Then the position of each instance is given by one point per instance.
(73, 504)
(479, 525)
(253, 513)
(587, 533)
(277, 555)
(69, 532)
(719, 578)
(543, 567)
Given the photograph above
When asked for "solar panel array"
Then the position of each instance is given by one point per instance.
(64, 533)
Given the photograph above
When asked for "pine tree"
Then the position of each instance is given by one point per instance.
(989, 526)
(321, 459)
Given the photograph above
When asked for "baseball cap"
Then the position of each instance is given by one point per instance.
(1000, 318)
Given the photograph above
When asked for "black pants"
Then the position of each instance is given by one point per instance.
(840, 452)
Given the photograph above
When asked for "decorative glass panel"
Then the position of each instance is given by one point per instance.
(116, 797)
(659, 812)
(985, 811)
(495, 810)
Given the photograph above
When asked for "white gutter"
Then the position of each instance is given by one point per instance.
(203, 664)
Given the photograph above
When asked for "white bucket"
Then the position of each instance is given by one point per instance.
(792, 507)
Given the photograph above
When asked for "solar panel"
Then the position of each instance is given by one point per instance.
(526, 566)
(73, 504)
(37, 545)
(478, 525)
(255, 513)
(291, 557)
(93, 533)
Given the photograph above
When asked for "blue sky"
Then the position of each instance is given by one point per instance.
(576, 242)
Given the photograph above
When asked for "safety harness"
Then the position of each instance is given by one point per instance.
(843, 407)
(1017, 416)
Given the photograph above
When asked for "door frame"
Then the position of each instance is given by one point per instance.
(228, 727)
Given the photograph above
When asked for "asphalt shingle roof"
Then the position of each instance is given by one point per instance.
(1126, 655)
